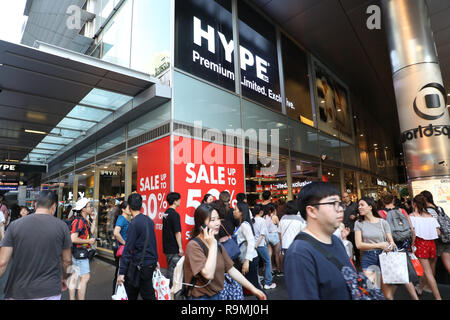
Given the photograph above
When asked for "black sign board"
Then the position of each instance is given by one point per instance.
(13, 167)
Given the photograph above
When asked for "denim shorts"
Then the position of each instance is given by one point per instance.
(82, 265)
(274, 238)
(370, 258)
(214, 297)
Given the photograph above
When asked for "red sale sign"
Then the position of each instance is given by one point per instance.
(198, 167)
(220, 169)
(153, 184)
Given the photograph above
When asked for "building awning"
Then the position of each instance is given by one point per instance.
(57, 95)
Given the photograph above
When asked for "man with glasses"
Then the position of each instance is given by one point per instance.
(82, 233)
(309, 274)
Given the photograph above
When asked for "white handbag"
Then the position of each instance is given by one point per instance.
(161, 285)
(394, 267)
(121, 294)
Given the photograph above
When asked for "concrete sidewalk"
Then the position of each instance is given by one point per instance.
(102, 275)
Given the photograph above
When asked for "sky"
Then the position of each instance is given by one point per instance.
(11, 20)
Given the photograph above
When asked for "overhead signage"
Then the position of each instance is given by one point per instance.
(208, 39)
(8, 167)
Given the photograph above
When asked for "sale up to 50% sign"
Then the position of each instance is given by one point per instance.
(156, 202)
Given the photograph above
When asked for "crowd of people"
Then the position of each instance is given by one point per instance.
(233, 251)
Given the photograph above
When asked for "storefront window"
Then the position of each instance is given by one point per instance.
(329, 147)
(150, 51)
(256, 182)
(303, 138)
(67, 194)
(86, 183)
(303, 173)
(197, 101)
(117, 37)
(111, 193)
(331, 175)
(260, 79)
(333, 108)
(111, 140)
(296, 82)
(350, 182)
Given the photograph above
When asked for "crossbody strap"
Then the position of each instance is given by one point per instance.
(306, 237)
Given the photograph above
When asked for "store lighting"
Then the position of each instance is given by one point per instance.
(105, 167)
(135, 157)
(118, 162)
(339, 110)
(36, 132)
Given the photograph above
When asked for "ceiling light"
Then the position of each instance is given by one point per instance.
(135, 157)
(118, 162)
(36, 132)
(105, 167)
(361, 135)
(339, 110)
(375, 144)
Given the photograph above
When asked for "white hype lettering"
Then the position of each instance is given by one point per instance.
(248, 59)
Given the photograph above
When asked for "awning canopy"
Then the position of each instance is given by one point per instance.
(57, 95)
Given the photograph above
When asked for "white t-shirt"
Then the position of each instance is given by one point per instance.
(2, 217)
(289, 227)
(260, 228)
(425, 228)
(246, 242)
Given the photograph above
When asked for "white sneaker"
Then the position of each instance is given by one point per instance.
(272, 286)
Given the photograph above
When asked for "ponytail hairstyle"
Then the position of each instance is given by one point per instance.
(428, 197)
(122, 206)
(421, 203)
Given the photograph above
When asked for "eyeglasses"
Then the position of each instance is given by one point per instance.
(336, 204)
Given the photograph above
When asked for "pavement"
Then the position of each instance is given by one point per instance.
(102, 275)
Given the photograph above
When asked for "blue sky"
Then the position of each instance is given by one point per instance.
(11, 19)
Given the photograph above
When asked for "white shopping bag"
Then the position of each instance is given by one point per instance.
(121, 294)
(394, 267)
(161, 285)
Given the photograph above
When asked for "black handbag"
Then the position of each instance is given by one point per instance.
(134, 270)
(79, 253)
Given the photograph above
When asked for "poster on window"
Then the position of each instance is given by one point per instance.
(202, 167)
(334, 114)
(153, 184)
(439, 188)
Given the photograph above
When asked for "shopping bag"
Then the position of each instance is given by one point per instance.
(121, 294)
(416, 263)
(394, 267)
(161, 285)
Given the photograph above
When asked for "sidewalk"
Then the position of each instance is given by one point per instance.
(102, 275)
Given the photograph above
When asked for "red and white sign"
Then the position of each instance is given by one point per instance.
(153, 184)
(216, 172)
(199, 168)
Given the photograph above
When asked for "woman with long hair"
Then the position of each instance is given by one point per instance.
(427, 230)
(273, 246)
(121, 224)
(207, 261)
(245, 234)
(443, 249)
(372, 237)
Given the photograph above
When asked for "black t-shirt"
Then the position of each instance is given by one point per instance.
(171, 225)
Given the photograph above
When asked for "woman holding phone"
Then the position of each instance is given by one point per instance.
(207, 261)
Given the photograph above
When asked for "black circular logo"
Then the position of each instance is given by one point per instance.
(432, 102)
